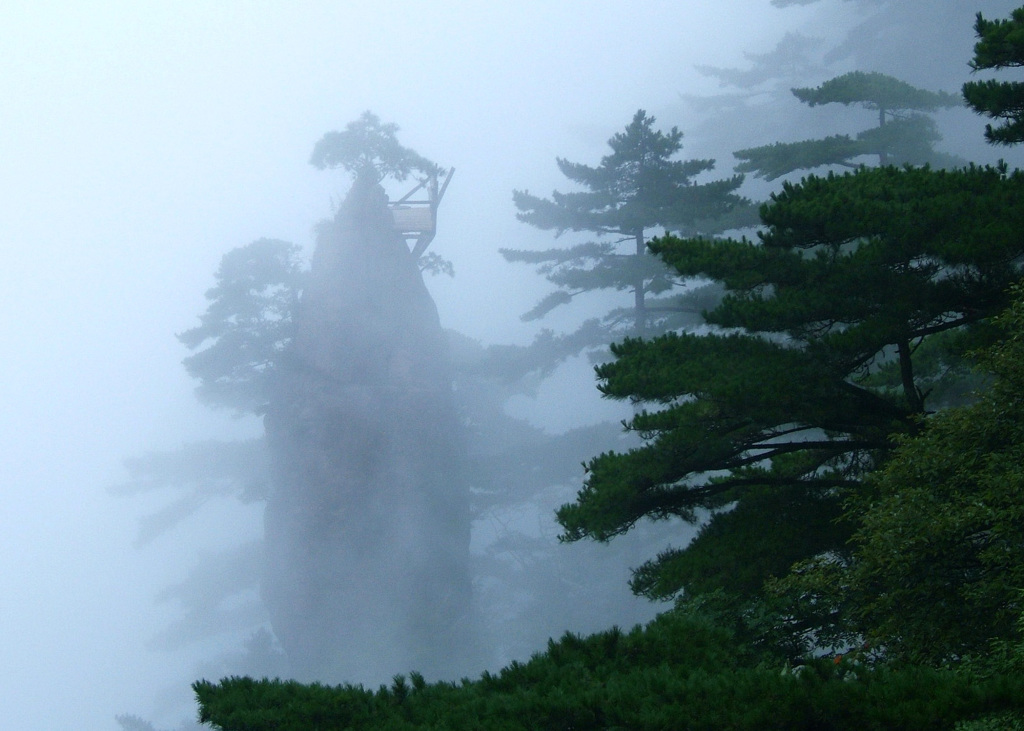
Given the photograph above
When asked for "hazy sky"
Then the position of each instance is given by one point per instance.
(139, 141)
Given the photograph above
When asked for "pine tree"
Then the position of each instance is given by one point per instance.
(937, 560)
(1000, 45)
(637, 187)
(368, 148)
(768, 422)
(904, 133)
(247, 325)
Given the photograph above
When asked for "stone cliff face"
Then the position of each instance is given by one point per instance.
(367, 528)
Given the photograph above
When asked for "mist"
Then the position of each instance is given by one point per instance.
(142, 143)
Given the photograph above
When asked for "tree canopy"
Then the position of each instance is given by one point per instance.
(817, 363)
(904, 133)
(369, 149)
(680, 671)
(1000, 45)
(937, 563)
(637, 186)
(247, 325)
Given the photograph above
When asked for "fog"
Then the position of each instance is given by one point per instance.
(142, 141)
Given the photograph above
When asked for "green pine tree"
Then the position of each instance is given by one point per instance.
(1000, 45)
(819, 361)
(904, 133)
(937, 560)
(681, 671)
(636, 187)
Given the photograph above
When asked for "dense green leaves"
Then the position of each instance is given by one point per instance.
(937, 561)
(1000, 45)
(786, 523)
(781, 158)
(680, 672)
(904, 135)
(876, 91)
(783, 413)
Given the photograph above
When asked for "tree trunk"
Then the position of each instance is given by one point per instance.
(910, 390)
(639, 298)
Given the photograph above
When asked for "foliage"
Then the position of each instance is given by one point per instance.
(791, 57)
(435, 264)
(937, 561)
(200, 472)
(878, 92)
(995, 722)
(129, 722)
(1000, 45)
(369, 149)
(680, 671)
(774, 417)
(904, 135)
(246, 326)
(636, 187)
(1006, 657)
